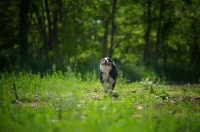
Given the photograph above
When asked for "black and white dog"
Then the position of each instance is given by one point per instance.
(108, 73)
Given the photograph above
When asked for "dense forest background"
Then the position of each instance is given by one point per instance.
(144, 37)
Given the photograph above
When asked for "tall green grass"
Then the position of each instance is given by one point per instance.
(71, 101)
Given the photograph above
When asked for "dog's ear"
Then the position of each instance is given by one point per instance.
(101, 60)
(110, 60)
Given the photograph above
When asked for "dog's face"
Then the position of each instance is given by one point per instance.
(106, 61)
(106, 64)
(108, 73)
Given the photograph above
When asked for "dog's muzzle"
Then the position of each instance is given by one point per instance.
(105, 63)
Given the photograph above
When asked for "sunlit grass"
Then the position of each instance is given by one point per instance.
(75, 102)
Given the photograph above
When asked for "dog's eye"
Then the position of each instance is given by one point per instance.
(110, 60)
(102, 60)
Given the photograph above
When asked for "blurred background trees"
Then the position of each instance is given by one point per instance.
(144, 37)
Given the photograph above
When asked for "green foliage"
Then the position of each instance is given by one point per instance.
(136, 73)
(70, 101)
(163, 35)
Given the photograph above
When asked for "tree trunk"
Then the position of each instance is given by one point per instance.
(75, 30)
(195, 51)
(55, 24)
(146, 53)
(23, 26)
(105, 38)
(113, 28)
(159, 35)
(49, 39)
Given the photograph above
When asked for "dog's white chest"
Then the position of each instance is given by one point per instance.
(105, 70)
(105, 76)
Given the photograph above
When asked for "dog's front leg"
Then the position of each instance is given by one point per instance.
(112, 83)
(105, 86)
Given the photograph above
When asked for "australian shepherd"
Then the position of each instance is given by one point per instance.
(108, 73)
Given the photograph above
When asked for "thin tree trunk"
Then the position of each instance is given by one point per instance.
(146, 54)
(159, 36)
(195, 51)
(42, 31)
(60, 8)
(40, 23)
(75, 30)
(195, 46)
(105, 38)
(113, 28)
(49, 25)
(23, 26)
(55, 26)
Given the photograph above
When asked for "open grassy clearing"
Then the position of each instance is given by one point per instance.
(72, 102)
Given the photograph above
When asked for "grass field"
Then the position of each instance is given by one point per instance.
(71, 102)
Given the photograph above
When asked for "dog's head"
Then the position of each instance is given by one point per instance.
(106, 62)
